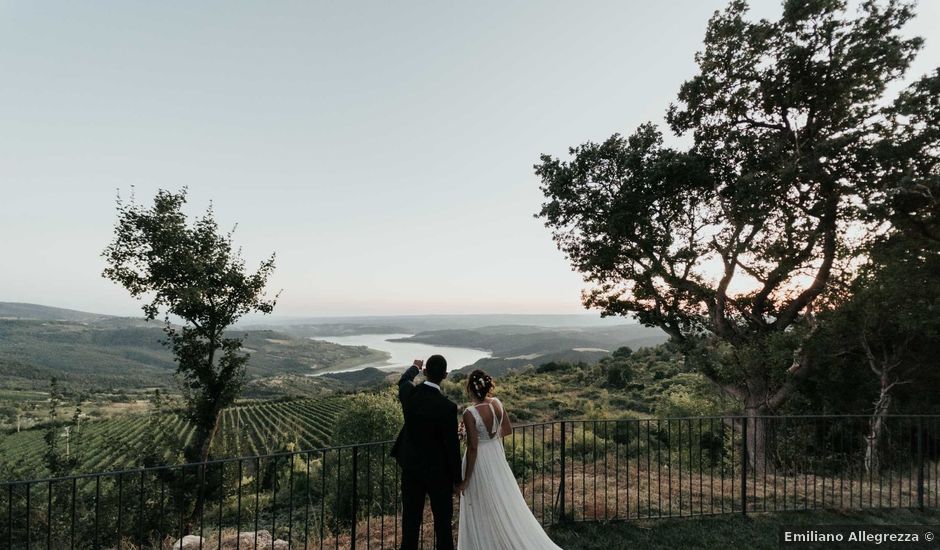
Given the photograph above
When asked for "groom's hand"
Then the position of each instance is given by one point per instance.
(418, 363)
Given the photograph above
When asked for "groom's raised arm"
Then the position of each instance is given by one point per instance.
(407, 381)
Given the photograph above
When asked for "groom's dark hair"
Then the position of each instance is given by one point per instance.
(436, 369)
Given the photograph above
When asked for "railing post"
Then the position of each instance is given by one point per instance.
(355, 495)
(561, 484)
(744, 466)
(920, 463)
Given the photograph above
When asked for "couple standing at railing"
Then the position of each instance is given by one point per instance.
(493, 512)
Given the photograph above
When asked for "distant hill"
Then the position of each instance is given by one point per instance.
(368, 377)
(121, 354)
(512, 341)
(366, 324)
(499, 367)
(81, 355)
(34, 312)
(91, 351)
(335, 329)
(335, 325)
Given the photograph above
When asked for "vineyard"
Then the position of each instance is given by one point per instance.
(250, 429)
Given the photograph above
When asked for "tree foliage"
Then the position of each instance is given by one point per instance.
(909, 152)
(880, 344)
(730, 244)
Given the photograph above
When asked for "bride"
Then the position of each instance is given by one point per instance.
(493, 512)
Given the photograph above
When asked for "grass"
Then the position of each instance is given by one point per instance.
(755, 532)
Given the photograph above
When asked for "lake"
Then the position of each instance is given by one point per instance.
(403, 354)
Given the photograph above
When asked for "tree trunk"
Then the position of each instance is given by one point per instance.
(761, 402)
(207, 435)
(876, 427)
(210, 432)
(755, 417)
(884, 370)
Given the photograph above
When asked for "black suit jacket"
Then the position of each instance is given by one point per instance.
(427, 445)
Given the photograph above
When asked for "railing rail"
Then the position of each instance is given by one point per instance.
(568, 470)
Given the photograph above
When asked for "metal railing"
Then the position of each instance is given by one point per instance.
(576, 470)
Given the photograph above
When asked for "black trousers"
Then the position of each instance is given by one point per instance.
(414, 488)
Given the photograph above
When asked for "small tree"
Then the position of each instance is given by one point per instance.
(189, 271)
(890, 326)
(731, 242)
(58, 462)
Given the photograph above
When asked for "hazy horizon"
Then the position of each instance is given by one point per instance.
(383, 151)
(275, 318)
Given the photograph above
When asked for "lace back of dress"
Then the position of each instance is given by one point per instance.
(482, 432)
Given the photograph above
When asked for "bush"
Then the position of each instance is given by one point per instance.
(583, 442)
(690, 394)
(623, 430)
(623, 352)
(454, 390)
(553, 366)
(525, 460)
(630, 432)
(367, 418)
(619, 375)
(523, 415)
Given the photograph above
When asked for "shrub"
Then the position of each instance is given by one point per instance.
(583, 442)
(523, 415)
(690, 394)
(553, 366)
(368, 417)
(637, 435)
(619, 375)
(525, 460)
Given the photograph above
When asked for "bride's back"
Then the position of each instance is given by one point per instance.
(489, 417)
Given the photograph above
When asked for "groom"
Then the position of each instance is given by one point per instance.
(428, 452)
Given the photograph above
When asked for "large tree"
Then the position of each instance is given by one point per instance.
(189, 274)
(729, 244)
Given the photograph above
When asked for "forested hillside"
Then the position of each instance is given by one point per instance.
(35, 312)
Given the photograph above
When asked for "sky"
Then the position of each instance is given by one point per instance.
(383, 150)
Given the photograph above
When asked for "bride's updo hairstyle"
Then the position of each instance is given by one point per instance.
(479, 384)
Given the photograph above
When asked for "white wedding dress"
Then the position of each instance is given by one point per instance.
(493, 512)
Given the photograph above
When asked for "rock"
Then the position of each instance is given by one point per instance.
(246, 540)
(189, 542)
(281, 545)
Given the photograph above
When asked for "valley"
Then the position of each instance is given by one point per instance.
(116, 380)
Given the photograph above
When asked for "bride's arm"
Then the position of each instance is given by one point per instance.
(472, 442)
